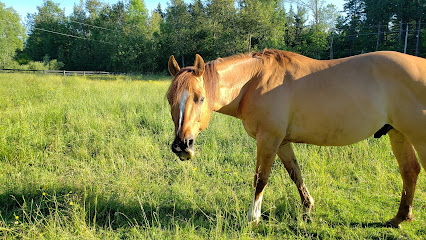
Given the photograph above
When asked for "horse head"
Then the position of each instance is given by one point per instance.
(188, 101)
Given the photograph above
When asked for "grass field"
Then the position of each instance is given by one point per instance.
(88, 158)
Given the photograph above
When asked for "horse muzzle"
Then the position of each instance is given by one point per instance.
(183, 149)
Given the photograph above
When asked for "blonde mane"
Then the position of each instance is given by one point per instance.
(183, 81)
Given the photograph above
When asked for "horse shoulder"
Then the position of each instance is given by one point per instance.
(265, 105)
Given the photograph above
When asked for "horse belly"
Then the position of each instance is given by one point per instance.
(337, 118)
(332, 135)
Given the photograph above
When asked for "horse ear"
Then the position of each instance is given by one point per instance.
(173, 66)
(198, 66)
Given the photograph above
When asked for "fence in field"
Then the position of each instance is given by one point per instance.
(58, 72)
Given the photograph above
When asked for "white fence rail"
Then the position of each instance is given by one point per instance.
(58, 72)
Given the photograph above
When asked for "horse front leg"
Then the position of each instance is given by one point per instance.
(288, 158)
(267, 147)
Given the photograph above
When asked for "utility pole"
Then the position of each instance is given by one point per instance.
(418, 30)
(249, 46)
(418, 36)
(406, 39)
(400, 34)
(378, 38)
(331, 46)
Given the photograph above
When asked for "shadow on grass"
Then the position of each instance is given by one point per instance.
(111, 214)
(287, 219)
(290, 208)
(39, 205)
(361, 225)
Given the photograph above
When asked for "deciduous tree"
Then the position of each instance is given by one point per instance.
(12, 34)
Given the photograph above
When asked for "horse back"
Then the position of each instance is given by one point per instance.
(336, 102)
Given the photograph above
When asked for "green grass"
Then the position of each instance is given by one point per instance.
(90, 158)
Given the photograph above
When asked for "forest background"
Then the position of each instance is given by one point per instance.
(126, 38)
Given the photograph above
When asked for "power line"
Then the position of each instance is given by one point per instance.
(65, 34)
(363, 26)
(73, 36)
(375, 33)
(92, 25)
(86, 24)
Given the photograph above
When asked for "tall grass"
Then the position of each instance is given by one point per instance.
(89, 158)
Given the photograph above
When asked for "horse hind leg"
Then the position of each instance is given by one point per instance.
(287, 157)
(409, 170)
(421, 151)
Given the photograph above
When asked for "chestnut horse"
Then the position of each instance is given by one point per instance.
(283, 97)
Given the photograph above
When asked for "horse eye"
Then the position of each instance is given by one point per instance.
(201, 99)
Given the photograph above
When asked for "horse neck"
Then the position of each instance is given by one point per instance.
(234, 74)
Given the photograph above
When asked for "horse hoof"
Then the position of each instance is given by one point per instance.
(307, 217)
(307, 213)
(393, 223)
(254, 223)
(253, 220)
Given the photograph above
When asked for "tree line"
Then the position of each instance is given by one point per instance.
(125, 37)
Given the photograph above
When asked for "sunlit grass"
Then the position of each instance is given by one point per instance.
(89, 158)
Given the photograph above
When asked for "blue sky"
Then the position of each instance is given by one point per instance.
(23, 7)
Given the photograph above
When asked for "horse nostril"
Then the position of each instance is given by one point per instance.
(176, 146)
(190, 143)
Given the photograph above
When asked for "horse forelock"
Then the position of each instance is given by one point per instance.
(184, 81)
(179, 84)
